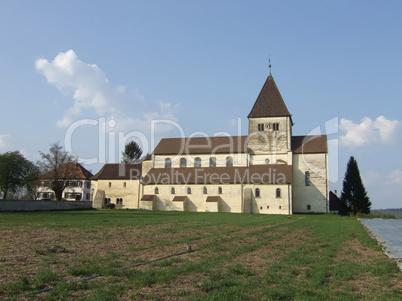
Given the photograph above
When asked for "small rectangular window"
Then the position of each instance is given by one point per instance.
(260, 127)
(212, 162)
(275, 126)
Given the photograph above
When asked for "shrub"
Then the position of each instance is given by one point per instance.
(110, 206)
(375, 215)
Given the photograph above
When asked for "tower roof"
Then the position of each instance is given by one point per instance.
(269, 102)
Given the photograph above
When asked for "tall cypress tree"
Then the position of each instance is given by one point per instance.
(354, 196)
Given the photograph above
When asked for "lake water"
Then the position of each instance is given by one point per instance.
(389, 232)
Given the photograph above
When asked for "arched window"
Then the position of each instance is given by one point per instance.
(168, 163)
(257, 192)
(183, 162)
(124, 184)
(219, 190)
(197, 162)
(156, 190)
(205, 190)
(212, 162)
(229, 161)
(307, 178)
(188, 190)
(110, 184)
(172, 190)
(278, 192)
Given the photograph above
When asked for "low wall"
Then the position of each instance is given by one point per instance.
(41, 205)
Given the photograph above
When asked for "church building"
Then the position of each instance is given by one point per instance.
(269, 171)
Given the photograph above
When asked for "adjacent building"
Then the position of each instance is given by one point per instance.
(78, 183)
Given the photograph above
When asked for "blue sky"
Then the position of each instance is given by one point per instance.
(70, 67)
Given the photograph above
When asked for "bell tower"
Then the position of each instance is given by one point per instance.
(270, 126)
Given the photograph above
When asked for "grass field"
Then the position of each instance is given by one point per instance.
(235, 257)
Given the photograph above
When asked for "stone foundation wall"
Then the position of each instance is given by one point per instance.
(40, 205)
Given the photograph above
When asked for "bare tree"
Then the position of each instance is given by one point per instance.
(57, 168)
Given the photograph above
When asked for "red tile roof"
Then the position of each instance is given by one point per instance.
(233, 144)
(116, 171)
(178, 198)
(213, 198)
(309, 144)
(72, 170)
(202, 145)
(148, 197)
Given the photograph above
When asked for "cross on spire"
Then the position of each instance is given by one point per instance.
(269, 60)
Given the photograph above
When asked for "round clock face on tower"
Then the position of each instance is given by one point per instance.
(267, 160)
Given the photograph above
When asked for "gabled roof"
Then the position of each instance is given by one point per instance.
(202, 145)
(255, 174)
(269, 102)
(309, 144)
(72, 170)
(148, 158)
(119, 171)
(335, 203)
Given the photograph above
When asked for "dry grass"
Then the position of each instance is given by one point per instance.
(258, 257)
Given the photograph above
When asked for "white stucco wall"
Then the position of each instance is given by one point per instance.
(316, 195)
(124, 189)
(272, 159)
(231, 197)
(240, 159)
(84, 190)
(267, 202)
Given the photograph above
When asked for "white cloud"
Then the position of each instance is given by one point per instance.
(92, 91)
(395, 177)
(371, 177)
(368, 131)
(3, 138)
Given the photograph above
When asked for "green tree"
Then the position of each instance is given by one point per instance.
(354, 196)
(16, 172)
(57, 169)
(132, 153)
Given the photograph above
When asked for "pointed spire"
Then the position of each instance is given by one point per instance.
(269, 102)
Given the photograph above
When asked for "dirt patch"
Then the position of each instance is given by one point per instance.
(260, 259)
(354, 251)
